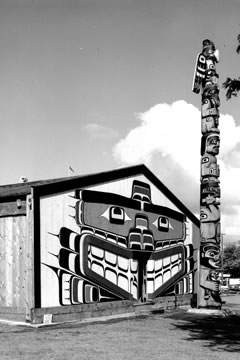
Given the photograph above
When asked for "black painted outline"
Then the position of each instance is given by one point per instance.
(69, 184)
(129, 254)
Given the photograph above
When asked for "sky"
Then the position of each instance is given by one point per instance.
(102, 84)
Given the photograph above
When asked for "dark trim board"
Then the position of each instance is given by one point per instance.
(13, 208)
(37, 251)
(53, 186)
(88, 180)
(104, 177)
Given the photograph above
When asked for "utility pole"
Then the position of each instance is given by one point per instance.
(206, 81)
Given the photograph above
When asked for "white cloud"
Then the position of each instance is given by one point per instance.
(171, 130)
(167, 139)
(230, 138)
(94, 131)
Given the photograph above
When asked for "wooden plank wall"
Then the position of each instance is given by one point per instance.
(12, 261)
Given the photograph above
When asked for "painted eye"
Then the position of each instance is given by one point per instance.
(213, 142)
(163, 224)
(202, 59)
(205, 160)
(117, 215)
(203, 216)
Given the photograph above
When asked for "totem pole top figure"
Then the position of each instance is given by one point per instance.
(209, 51)
(205, 66)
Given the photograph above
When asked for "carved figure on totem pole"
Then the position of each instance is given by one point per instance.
(210, 255)
(211, 92)
(210, 144)
(210, 189)
(210, 224)
(209, 166)
(208, 108)
(209, 123)
(206, 80)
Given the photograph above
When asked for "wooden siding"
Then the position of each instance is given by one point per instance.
(12, 261)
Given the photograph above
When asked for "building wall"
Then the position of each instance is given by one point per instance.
(122, 240)
(16, 259)
(12, 261)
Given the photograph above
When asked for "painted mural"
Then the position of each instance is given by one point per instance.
(206, 80)
(120, 247)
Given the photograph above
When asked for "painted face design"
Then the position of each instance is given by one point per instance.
(120, 239)
(141, 223)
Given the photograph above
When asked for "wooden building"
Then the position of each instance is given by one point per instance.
(86, 243)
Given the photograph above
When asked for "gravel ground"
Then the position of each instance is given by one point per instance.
(172, 335)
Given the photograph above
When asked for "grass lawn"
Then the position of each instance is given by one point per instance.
(172, 335)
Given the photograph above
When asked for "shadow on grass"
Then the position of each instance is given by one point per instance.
(222, 333)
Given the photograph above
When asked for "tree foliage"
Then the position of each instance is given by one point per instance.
(231, 260)
(232, 85)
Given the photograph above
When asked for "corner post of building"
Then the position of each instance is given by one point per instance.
(29, 260)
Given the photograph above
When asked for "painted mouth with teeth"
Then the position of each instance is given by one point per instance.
(126, 248)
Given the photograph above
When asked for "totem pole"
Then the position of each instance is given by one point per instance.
(206, 80)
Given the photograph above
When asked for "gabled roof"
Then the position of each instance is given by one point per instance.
(52, 186)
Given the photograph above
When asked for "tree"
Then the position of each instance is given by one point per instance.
(231, 260)
(232, 85)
